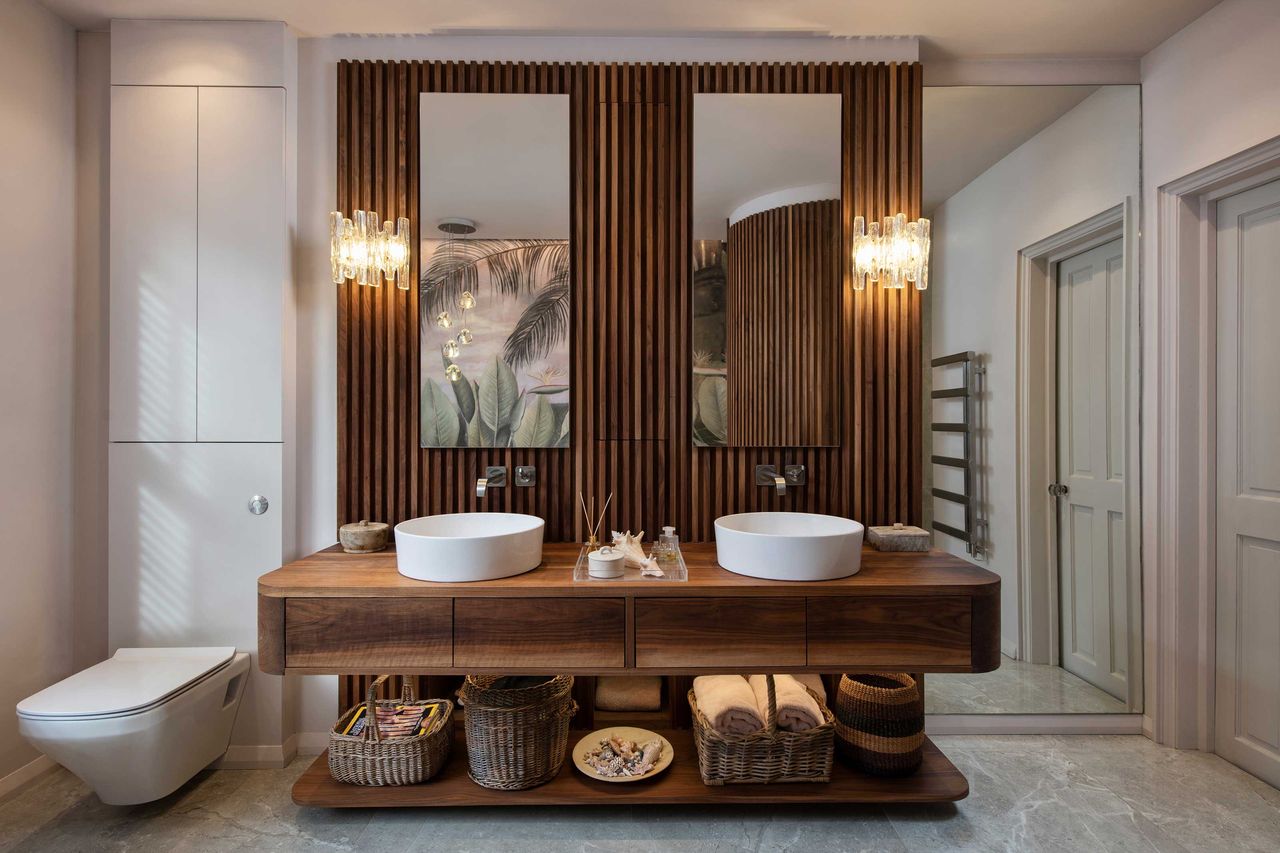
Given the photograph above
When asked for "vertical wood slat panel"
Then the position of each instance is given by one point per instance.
(631, 141)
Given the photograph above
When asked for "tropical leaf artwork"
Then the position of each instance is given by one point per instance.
(494, 335)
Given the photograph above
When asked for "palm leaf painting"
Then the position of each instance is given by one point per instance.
(517, 351)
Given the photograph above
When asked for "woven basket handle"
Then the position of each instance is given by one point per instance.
(371, 710)
(771, 712)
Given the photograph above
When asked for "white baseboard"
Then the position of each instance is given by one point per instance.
(25, 774)
(258, 757)
(1033, 724)
(1009, 648)
(312, 743)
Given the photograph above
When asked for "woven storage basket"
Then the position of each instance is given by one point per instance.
(880, 723)
(516, 738)
(767, 756)
(370, 759)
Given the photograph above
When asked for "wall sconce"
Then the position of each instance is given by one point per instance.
(361, 251)
(893, 254)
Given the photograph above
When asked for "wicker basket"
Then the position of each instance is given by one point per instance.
(880, 723)
(767, 756)
(370, 759)
(516, 738)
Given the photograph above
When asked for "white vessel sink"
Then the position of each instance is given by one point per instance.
(789, 546)
(468, 546)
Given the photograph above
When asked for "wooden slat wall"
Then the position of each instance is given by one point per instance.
(631, 205)
(784, 297)
(631, 146)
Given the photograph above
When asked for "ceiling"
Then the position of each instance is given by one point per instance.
(968, 129)
(947, 28)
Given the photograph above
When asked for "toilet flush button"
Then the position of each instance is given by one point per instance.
(258, 504)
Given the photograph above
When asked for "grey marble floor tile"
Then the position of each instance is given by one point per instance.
(1017, 687)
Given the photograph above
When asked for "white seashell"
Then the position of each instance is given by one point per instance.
(632, 547)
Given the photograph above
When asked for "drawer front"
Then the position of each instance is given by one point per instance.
(539, 632)
(927, 633)
(720, 632)
(368, 633)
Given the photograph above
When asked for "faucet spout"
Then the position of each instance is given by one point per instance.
(482, 486)
(780, 483)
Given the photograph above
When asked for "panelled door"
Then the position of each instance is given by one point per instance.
(1247, 710)
(1092, 537)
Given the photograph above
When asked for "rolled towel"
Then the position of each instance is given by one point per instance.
(629, 693)
(728, 703)
(797, 710)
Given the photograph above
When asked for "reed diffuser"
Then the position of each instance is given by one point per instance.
(593, 528)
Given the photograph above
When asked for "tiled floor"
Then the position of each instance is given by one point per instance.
(1029, 793)
(1017, 688)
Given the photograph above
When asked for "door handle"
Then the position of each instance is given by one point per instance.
(1059, 490)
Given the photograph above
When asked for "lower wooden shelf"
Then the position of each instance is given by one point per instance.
(938, 780)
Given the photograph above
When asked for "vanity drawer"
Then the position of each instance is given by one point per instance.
(555, 633)
(368, 633)
(719, 632)
(927, 632)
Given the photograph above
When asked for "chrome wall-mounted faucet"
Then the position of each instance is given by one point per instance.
(495, 477)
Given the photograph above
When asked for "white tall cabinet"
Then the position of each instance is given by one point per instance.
(199, 312)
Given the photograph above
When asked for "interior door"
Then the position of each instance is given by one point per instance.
(1247, 712)
(1092, 556)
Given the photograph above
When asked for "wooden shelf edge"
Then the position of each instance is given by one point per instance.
(937, 781)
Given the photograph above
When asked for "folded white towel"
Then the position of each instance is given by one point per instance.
(797, 710)
(814, 682)
(728, 703)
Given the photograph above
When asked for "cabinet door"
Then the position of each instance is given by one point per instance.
(241, 269)
(153, 264)
(185, 553)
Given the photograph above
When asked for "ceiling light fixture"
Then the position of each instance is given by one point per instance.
(893, 253)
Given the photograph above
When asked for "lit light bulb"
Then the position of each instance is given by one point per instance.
(466, 300)
(453, 372)
(464, 337)
(443, 320)
(450, 348)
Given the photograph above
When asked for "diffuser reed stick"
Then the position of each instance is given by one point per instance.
(593, 528)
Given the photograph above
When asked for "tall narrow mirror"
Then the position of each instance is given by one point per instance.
(767, 270)
(1033, 193)
(494, 270)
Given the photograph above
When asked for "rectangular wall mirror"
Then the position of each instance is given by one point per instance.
(1033, 192)
(494, 270)
(767, 270)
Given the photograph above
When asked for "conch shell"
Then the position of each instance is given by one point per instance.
(632, 548)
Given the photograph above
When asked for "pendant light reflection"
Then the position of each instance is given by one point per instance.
(453, 227)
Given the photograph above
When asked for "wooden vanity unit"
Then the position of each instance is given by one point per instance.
(339, 613)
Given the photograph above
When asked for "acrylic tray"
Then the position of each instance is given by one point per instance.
(676, 572)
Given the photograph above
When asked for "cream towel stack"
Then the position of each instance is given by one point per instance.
(797, 710)
(728, 703)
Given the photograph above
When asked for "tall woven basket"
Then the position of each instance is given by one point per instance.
(516, 738)
(880, 723)
(767, 756)
(371, 759)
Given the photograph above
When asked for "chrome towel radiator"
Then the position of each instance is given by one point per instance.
(975, 525)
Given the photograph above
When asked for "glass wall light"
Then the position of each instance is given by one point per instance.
(362, 252)
(893, 253)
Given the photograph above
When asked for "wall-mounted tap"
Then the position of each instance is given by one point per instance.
(495, 477)
(791, 475)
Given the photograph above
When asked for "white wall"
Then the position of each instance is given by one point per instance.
(38, 628)
(1077, 167)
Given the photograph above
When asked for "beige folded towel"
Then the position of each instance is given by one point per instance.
(629, 693)
(728, 703)
(797, 710)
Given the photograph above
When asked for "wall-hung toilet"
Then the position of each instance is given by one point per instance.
(137, 726)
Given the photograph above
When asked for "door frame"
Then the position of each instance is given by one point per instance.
(1037, 435)
(1180, 456)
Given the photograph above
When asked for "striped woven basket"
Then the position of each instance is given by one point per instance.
(880, 723)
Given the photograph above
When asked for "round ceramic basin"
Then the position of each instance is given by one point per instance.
(789, 546)
(468, 546)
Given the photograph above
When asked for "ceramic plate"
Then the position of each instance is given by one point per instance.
(640, 736)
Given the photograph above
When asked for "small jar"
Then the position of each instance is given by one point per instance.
(606, 562)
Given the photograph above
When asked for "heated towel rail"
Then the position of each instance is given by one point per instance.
(975, 525)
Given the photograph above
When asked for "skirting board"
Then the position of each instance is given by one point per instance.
(259, 757)
(1034, 724)
(25, 774)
